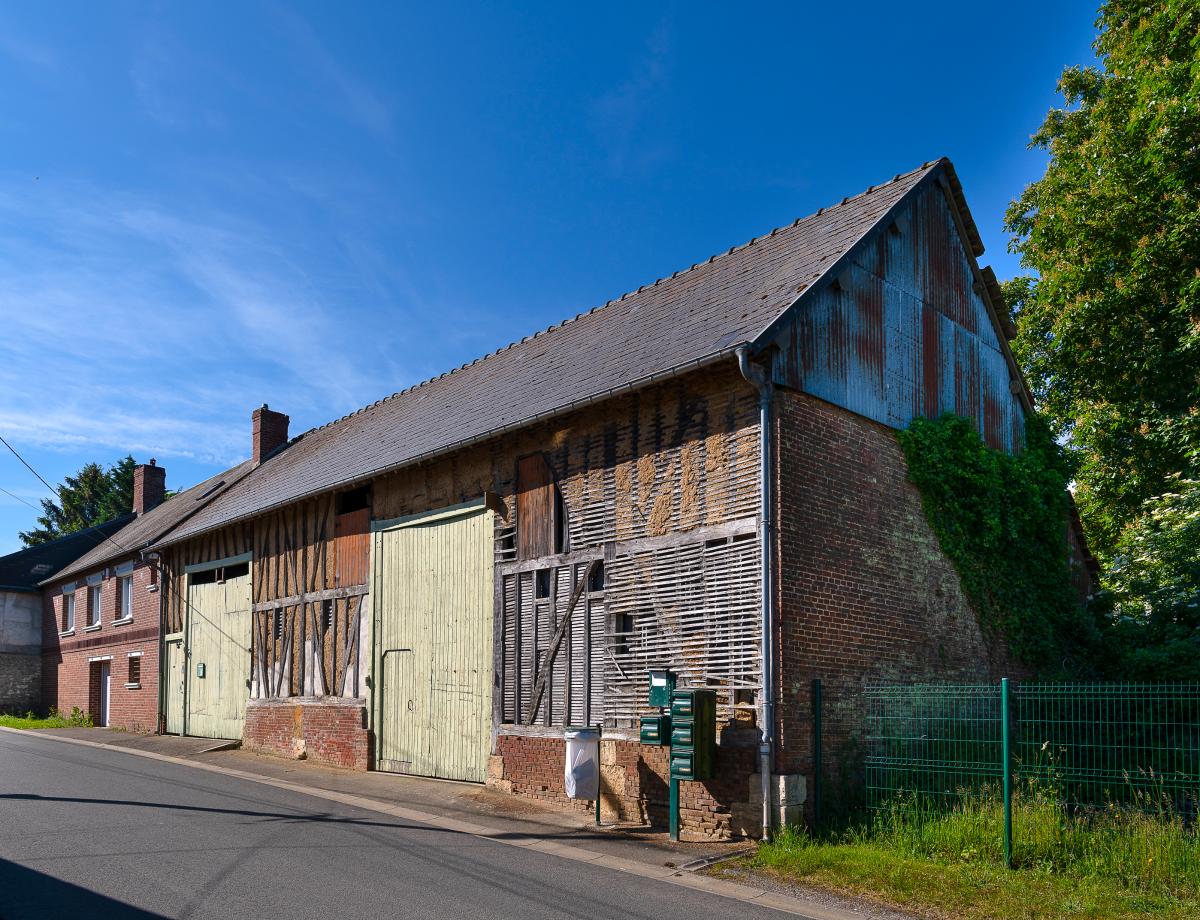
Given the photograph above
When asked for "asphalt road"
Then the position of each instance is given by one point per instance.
(91, 834)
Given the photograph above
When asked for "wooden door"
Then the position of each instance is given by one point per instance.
(433, 613)
(218, 658)
(176, 677)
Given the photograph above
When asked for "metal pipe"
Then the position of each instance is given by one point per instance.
(762, 383)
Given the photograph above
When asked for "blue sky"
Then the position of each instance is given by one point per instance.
(204, 207)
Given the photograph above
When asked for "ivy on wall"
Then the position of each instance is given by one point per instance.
(1001, 519)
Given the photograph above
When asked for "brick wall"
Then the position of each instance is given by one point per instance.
(325, 730)
(865, 592)
(635, 783)
(69, 672)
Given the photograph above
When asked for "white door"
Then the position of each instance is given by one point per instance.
(105, 675)
(176, 676)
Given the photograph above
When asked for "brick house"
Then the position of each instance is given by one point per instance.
(101, 613)
(21, 610)
(700, 475)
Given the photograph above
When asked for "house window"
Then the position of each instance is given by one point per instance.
(68, 612)
(125, 597)
(134, 677)
(94, 605)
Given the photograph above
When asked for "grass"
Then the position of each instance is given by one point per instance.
(77, 719)
(1105, 866)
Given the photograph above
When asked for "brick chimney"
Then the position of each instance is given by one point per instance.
(270, 432)
(149, 486)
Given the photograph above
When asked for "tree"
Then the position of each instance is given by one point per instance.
(90, 497)
(1109, 328)
(1153, 589)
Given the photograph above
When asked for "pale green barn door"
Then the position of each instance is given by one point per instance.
(176, 677)
(433, 614)
(218, 659)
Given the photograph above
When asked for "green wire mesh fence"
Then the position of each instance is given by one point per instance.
(1087, 749)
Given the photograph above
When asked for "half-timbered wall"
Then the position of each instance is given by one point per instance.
(659, 488)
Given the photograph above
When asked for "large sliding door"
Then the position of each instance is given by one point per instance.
(218, 657)
(433, 643)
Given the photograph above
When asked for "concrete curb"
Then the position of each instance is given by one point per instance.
(674, 876)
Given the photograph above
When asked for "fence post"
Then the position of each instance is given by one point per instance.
(816, 723)
(1006, 766)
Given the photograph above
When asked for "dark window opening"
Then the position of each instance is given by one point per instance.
(622, 631)
(353, 500)
(219, 574)
(596, 578)
(234, 571)
(207, 577)
(328, 605)
(135, 670)
(541, 583)
(278, 622)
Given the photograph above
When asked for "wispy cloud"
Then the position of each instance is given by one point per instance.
(356, 100)
(24, 50)
(621, 116)
(134, 328)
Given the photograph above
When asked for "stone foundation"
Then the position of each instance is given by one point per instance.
(325, 730)
(634, 784)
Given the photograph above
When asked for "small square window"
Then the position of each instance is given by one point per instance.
(541, 586)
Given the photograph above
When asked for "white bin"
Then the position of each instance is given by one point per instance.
(582, 771)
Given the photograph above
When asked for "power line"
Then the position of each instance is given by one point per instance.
(57, 494)
(18, 498)
(30, 468)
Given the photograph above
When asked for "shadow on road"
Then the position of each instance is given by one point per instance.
(29, 895)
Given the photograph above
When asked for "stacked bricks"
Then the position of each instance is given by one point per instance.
(634, 784)
(327, 730)
(865, 592)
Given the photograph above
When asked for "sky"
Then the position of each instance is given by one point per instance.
(207, 207)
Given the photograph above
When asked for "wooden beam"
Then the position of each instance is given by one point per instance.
(329, 594)
(539, 686)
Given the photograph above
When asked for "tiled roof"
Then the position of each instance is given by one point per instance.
(25, 569)
(694, 315)
(146, 528)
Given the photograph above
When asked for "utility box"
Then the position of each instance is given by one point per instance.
(693, 734)
(662, 685)
(655, 729)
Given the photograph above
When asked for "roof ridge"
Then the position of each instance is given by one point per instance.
(571, 319)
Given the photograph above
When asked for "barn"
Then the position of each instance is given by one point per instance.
(701, 475)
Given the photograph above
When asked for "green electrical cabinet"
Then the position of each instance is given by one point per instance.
(693, 734)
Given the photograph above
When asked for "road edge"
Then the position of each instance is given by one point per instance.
(674, 876)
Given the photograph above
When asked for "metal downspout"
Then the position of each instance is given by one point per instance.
(762, 383)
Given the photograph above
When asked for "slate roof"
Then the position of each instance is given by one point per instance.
(694, 316)
(146, 528)
(25, 569)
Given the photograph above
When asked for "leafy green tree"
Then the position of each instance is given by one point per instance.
(1109, 328)
(1153, 589)
(90, 497)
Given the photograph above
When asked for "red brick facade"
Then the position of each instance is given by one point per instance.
(865, 592)
(327, 730)
(71, 659)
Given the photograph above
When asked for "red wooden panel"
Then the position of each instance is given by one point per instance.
(352, 547)
(535, 507)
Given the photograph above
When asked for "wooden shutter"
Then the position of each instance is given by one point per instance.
(352, 546)
(536, 507)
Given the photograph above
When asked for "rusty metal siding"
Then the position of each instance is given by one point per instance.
(903, 333)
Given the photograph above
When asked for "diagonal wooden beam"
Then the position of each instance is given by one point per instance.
(539, 685)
